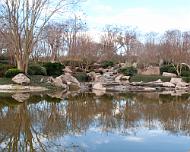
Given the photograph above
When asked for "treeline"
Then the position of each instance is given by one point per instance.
(71, 41)
(31, 37)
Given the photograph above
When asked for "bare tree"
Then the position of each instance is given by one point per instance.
(25, 20)
(54, 32)
(72, 28)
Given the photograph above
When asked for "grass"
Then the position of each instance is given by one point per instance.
(5, 81)
(149, 78)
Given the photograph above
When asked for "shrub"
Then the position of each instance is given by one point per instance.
(37, 70)
(186, 79)
(54, 69)
(4, 68)
(106, 64)
(185, 73)
(128, 71)
(82, 77)
(167, 68)
(12, 72)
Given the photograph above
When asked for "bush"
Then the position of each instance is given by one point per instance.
(4, 68)
(128, 71)
(12, 72)
(186, 79)
(82, 77)
(185, 73)
(167, 68)
(106, 64)
(37, 70)
(54, 69)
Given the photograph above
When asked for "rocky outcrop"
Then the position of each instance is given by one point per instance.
(21, 79)
(179, 84)
(63, 81)
(57, 82)
(176, 80)
(68, 79)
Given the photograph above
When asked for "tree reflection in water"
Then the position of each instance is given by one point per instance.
(35, 124)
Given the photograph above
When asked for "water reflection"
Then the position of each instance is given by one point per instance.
(43, 122)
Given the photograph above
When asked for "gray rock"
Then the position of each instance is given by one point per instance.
(57, 82)
(166, 74)
(168, 84)
(21, 79)
(176, 80)
(68, 79)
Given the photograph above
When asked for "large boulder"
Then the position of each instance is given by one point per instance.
(57, 82)
(21, 79)
(166, 74)
(176, 80)
(68, 79)
(180, 84)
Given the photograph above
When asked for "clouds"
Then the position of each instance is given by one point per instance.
(145, 18)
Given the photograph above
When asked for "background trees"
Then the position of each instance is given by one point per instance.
(28, 33)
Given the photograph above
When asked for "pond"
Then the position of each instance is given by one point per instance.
(85, 122)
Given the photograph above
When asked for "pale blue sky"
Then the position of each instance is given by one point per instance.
(147, 15)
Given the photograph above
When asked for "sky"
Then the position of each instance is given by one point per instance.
(145, 15)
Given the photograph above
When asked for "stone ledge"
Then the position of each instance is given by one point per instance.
(19, 88)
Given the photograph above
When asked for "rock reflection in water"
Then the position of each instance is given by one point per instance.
(37, 123)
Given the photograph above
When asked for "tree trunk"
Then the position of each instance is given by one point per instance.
(20, 65)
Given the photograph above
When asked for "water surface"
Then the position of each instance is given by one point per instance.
(85, 122)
